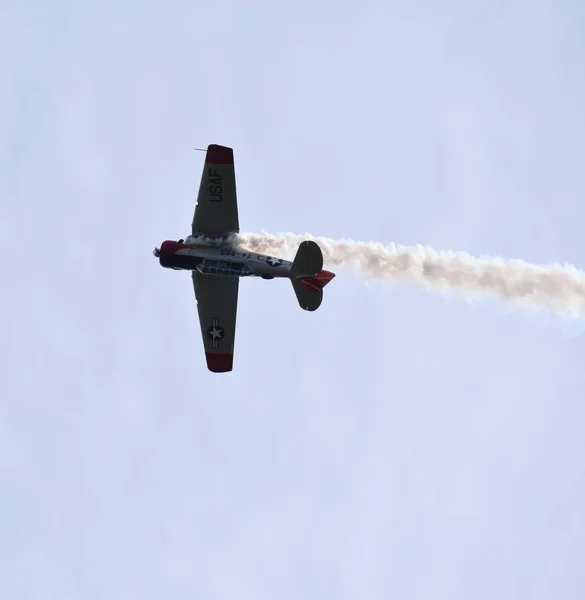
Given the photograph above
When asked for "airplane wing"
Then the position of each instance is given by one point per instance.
(216, 213)
(217, 303)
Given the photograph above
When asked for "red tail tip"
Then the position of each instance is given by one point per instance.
(320, 281)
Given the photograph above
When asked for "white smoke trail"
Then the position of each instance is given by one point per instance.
(554, 287)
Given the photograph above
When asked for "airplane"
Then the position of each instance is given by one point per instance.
(216, 267)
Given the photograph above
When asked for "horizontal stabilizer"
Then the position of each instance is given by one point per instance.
(308, 277)
(309, 298)
(309, 260)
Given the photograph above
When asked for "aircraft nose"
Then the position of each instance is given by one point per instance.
(166, 253)
(169, 247)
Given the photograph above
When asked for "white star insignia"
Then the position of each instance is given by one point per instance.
(216, 334)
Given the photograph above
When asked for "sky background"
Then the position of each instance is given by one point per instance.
(394, 444)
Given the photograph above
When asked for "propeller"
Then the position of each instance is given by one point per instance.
(156, 252)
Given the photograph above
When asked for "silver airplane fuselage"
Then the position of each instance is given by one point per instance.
(220, 260)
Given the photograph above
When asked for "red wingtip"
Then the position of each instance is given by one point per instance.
(219, 155)
(219, 362)
(319, 282)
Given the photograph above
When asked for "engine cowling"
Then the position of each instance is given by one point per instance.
(166, 253)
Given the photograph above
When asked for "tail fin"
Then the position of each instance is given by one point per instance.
(308, 277)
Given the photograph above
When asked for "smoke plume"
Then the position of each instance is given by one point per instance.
(554, 287)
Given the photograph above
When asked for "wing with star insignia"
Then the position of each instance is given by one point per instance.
(216, 213)
(217, 303)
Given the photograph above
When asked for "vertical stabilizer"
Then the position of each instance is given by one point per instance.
(309, 260)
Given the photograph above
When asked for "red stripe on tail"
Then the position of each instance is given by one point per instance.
(318, 283)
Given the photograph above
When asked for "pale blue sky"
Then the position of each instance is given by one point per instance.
(394, 444)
